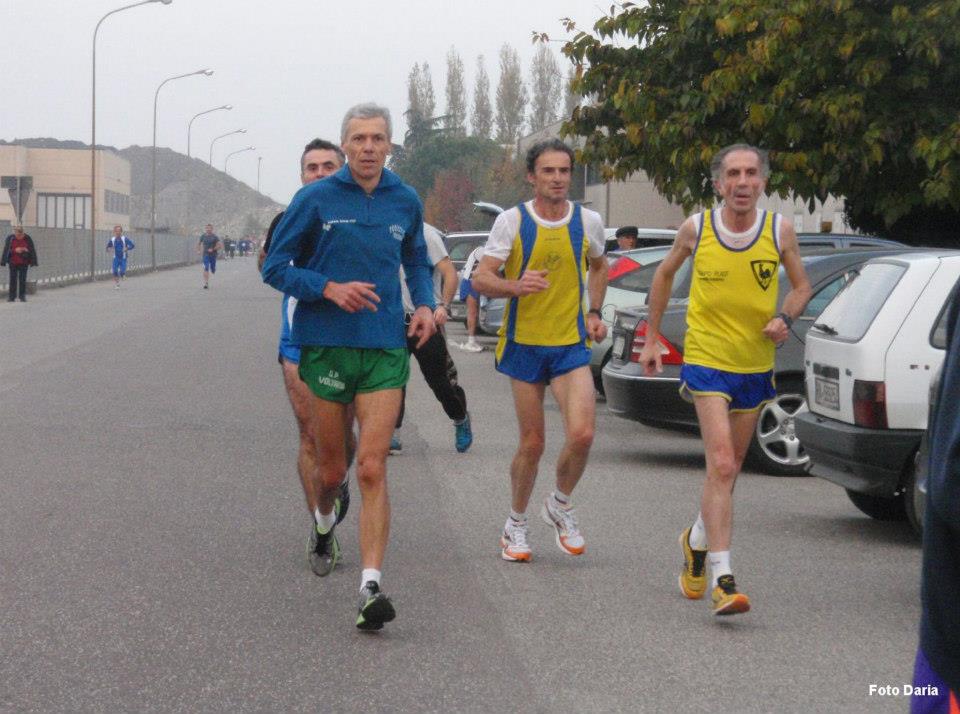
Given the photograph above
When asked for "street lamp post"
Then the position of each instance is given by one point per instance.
(228, 107)
(233, 153)
(218, 138)
(259, 161)
(153, 189)
(93, 136)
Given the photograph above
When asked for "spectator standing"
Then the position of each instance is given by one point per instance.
(19, 253)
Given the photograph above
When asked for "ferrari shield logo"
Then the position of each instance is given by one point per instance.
(763, 271)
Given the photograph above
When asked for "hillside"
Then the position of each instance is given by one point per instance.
(190, 193)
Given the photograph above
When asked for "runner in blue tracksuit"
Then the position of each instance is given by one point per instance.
(120, 245)
(338, 250)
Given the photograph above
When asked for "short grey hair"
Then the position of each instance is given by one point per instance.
(716, 166)
(367, 110)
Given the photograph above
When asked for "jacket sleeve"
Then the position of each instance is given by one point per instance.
(300, 223)
(416, 263)
(6, 251)
(33, 251)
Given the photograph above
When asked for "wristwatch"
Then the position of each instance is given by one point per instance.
(595, 311)
(787, 320)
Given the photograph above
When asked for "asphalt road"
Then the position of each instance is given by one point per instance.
(152, 544)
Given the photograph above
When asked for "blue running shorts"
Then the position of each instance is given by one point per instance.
(288, 350)
(210, 262)
(536, 364)
(466, 288)
(119, 266)
(744, 392)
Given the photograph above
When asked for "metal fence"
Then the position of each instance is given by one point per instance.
(63, 255)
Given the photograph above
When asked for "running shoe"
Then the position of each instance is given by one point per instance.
(464, 435)
(323, 550)
(471, 346)
(395, 446)
(206, 287)
(564, 520)
(375, 608)
(693, 578)
(342, 504)
(513, 542)
(726, 599)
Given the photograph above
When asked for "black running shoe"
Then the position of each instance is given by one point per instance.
(323, 550)
(343, 500)
(375, 608)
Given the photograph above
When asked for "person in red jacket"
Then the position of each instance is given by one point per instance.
(19, 253)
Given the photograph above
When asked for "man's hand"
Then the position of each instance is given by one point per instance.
(353, 296)
(596, 328)
(651, 358)
(777, 330)
(532, 281)
(422, 325)
(440, 316)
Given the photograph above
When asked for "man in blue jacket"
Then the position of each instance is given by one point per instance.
(338, 250)
(120, 245)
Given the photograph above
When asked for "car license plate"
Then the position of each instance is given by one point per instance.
(618, 344)
(827, 393)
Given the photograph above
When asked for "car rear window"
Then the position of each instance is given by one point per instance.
(850, 314)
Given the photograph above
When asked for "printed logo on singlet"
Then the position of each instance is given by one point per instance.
(713, 276)
(553, 261)
(763, 271)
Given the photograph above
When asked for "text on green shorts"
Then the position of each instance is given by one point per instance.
(338, 374)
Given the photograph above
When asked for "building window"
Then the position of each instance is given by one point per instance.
(116, 202)
(63, 210)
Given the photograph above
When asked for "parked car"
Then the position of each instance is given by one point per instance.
(869, 361)
(656, 401)
(646, 238)
(922, 461)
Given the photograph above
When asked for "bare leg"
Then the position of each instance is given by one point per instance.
(473, 313)
(376, 414)
(328, 424)
(302, 402)
(575, 393)
(528, 401)
(726, 438)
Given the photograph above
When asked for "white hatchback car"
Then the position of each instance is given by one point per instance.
(868, 363)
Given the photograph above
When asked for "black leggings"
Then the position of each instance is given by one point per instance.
(18, 281)
(441, 374)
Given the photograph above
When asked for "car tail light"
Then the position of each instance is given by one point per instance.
(623, 266)
(670, 354)
(870, 404)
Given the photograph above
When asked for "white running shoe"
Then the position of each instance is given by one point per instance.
(471, 346)
(564, 520)
(513, 542)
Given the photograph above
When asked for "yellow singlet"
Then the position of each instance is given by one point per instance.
(733, 295)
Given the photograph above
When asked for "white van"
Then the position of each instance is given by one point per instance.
(868, 363)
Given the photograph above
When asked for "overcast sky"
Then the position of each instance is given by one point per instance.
(290, 68)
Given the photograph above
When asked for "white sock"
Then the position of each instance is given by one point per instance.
(698, 534)
(518, 517)
(561, 498)
(325, 521)
(719, 564)
(369, 574)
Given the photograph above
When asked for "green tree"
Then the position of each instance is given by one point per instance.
(481, 121)
(511, 97)
(853, 98)
(546, 82)
(456, 117)
(571, 99)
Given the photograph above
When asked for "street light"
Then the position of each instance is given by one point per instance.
(232, 153)
(228, 107)
(93, 136)
(153, 190)
(218, 138)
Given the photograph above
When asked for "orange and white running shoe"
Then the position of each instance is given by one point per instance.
(726, 599)
(513, 542)
(564, 520)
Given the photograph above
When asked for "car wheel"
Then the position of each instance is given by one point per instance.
(878, 507)
(775, 448)
(914, 499)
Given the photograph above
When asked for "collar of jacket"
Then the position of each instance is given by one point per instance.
(387, 178)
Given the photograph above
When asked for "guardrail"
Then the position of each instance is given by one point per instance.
(63, 255)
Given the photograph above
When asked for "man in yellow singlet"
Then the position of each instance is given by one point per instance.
(552, 253)
(733, 329)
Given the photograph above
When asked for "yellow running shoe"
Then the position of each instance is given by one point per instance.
(726, 599)
(693, 578)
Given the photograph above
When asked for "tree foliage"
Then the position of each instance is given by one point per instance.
(546, 82)
(456, 116)
(511, 97)
(854, 98)
(481, 120)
